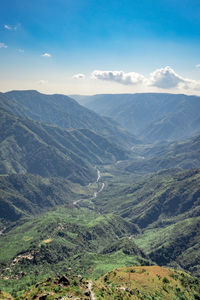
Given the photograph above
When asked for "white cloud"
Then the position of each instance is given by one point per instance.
(20, 50)
(46, 55)
(119, 76)
(2, 45)
(165, 78)
(190, 84)
(42, 81)
(8, 27)
(78, 76)
(198, 66)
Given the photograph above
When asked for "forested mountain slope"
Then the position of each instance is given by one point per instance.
(88, 243)
(155, 200)
(166, 207)
(64, 112)
(25, 195)
(181, 154)
(27, 146)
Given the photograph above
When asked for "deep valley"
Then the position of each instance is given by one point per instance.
(99, 208)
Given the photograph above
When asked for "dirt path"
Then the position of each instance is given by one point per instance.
(101, 189)
(90, 288)
(98, 175)
(77, 201)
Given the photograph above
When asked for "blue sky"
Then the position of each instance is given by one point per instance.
(88, 46)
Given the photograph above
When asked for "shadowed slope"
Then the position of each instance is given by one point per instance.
(31, 147)
(64, 112)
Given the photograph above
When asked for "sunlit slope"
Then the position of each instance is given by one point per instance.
(147, 282)
(89, 243)
(122, 283)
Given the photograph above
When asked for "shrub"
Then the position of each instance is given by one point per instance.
(132, 270)
(56, 289)
(166, 280)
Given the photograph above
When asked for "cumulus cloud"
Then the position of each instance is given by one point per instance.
(190, 84)
(165, 78)
(119, 76)
(2, 45)
(78, 76)
(46, 55)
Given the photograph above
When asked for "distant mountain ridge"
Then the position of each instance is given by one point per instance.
(152, 116)
(64, 112)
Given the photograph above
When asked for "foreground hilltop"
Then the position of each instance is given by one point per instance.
(144, 282)
(147, 282)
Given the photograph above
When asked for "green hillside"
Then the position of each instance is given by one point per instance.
(31, 147)
(158, 199)
(177, 245)
(23, 195)
(165, 206)
(89, 243)
(146, 282)
(181, 154)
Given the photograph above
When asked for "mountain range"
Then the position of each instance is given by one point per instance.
(62, 111)
(151, 116)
